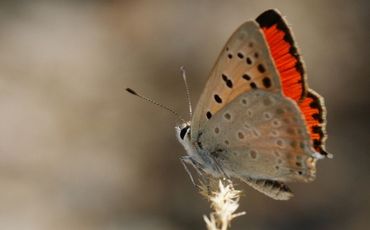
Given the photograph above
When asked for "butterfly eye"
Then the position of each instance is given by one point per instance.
(183, 132)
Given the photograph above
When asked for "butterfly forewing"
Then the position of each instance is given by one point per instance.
(293, 77)
(244, 64)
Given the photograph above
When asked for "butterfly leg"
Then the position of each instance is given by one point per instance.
(185, 160)
(203, 177)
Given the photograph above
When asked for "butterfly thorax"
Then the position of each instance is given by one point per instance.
(199, 158)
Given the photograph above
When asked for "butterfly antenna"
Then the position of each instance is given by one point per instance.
(155, 103)
(183, 73)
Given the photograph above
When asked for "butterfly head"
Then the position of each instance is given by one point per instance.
(183, 135)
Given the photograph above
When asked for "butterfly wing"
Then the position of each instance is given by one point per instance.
(261, 135)
(292, 73)
(243, 65)
(257, 97)
(274, 189)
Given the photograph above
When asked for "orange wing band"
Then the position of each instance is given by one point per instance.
(285, 62)
(313, 109)
(284, 53)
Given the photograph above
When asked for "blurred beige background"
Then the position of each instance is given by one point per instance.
(78, 152)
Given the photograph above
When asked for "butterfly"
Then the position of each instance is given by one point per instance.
(257, 120)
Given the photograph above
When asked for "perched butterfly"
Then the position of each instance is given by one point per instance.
(256, 119)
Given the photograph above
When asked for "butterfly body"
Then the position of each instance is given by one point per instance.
(256, 119)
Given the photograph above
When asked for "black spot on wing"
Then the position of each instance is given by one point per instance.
(318, 117)
(227, 81)
(266, 82)
(261, 68)
(217, 98)
(240, 55)
(253, 85)
(246, 77)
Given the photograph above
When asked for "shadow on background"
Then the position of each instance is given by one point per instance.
(78, 152)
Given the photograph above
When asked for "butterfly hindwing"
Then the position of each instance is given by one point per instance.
(313, 108)
(244, 64)
(261, 135)
(274, 189)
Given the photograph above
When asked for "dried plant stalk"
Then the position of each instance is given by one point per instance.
(224, 202)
